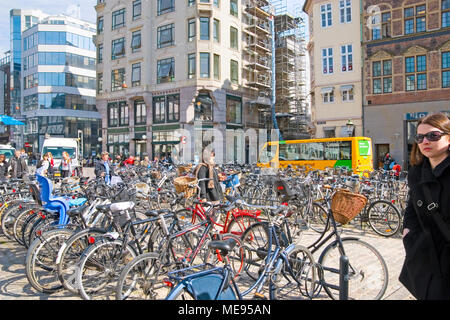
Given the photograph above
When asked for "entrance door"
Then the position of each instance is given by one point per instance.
(380, 151)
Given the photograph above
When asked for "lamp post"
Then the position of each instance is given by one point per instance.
(350, 126)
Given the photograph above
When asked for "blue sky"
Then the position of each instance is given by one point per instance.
(65, 6)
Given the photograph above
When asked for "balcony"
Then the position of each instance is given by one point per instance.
(205, 9)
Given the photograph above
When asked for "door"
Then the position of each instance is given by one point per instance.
(380, 151)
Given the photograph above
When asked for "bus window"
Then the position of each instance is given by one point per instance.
(289, 152)
(345, 150)
(267, 153)
(331, 151)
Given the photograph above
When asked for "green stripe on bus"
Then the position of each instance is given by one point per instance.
(343, 163)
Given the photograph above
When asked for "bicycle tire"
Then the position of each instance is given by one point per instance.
(18, 224)
(40, 260)
(27, 228)
(385, 221)
(255, 241)
(8, 219)
(70, 253)
(239, 224)
(303, 273)
(318, 218)
(101, 285)
(364, 263)
(139, 277)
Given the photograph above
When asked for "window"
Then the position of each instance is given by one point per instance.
(117, 79)
(445, 8)
(204, 28)
(173, 108)
(345, 9)
(204, 65)
(165, 6)
(113, 114)
(216, 67)
(325, 15)
(234, 8)
(446, 69)
(328, 97)
(347, 94)
(166, 70)
(191, 3)
(140, 112)
(99, 25)
(159, 109)
(118, 48)
(118, 19)
(382, 76)
(327, 61)
(99, 54)
(415, 69)
(137, 9)
(191, 29)
(136, 74)
(99, 82)
(123, 114)
(203, 107)
(386, 25)
(234, 109)
(234, 72)
(415, 19)
(233, 38)
(216, 3)
(136, 41)
(166, 35)
(216, 30)
(347, 58)
(191, 65)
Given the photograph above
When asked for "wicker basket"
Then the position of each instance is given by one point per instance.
(347, 205)
(156, 175)
(182, 185)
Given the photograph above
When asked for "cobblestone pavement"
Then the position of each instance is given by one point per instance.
(14, 284)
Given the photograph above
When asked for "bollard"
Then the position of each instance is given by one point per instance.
(343, 278)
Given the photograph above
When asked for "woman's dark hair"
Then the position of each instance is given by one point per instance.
(437, 120)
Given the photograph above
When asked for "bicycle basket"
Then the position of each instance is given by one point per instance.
(181, 170)
(183, 184)
(346, 205)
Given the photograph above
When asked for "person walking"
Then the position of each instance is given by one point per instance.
(43, 165)
(426, 227)
(209, 190)
(66, 165)
(3, 167)
(103, 168)
(19, 167)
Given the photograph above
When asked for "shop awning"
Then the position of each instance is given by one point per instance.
(326, 90)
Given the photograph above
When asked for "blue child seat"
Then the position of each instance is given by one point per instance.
(60, 204)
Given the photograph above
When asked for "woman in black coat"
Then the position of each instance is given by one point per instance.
(3, 167)
(209, 190)
(426, 269)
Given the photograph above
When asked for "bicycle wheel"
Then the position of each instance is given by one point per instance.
(27, 227)
(368, 273)
(142, 279)
(20, 221)
(235, 258)
(70, 253)
(180, 292)
(240, 223)
(255, 241)
(318, 218)
(100, 267)
(384, 218)
(40, 262)
(297, 278)
(8, 219)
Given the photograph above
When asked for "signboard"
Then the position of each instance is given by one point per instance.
(418, 115)
(364, 147)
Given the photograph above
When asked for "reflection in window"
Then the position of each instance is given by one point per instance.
(203, 107)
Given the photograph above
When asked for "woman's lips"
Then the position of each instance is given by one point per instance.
(426, 149)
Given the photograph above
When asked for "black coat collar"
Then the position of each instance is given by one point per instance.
(430, 175)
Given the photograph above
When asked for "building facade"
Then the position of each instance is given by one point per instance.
(406, 50)
(58, 82)
(195, 72)
(335, 56)
(5, 95)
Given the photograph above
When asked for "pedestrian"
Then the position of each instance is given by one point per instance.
(426, 227)
(51, 167)
(145, 162)
(66, 165)
(209, 190)
(387, 160)
(103, 168)
(43, 165)
(3, 167)
(19, 167)
(396, 168)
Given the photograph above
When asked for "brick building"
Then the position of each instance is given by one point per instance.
(406, 70)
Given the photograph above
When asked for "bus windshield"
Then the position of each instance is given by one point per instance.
(267, 153)
(57, 151)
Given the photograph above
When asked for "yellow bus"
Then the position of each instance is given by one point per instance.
(353, 152)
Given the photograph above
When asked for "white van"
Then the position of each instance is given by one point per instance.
(7, 150)
(57, 146)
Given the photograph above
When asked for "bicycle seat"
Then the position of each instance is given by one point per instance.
(121, 206)
(103, 207)
(76, 211)
(156, 213)
(224, 246)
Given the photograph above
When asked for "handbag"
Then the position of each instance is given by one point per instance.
(422, 261)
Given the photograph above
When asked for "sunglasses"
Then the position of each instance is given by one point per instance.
(431, 136)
